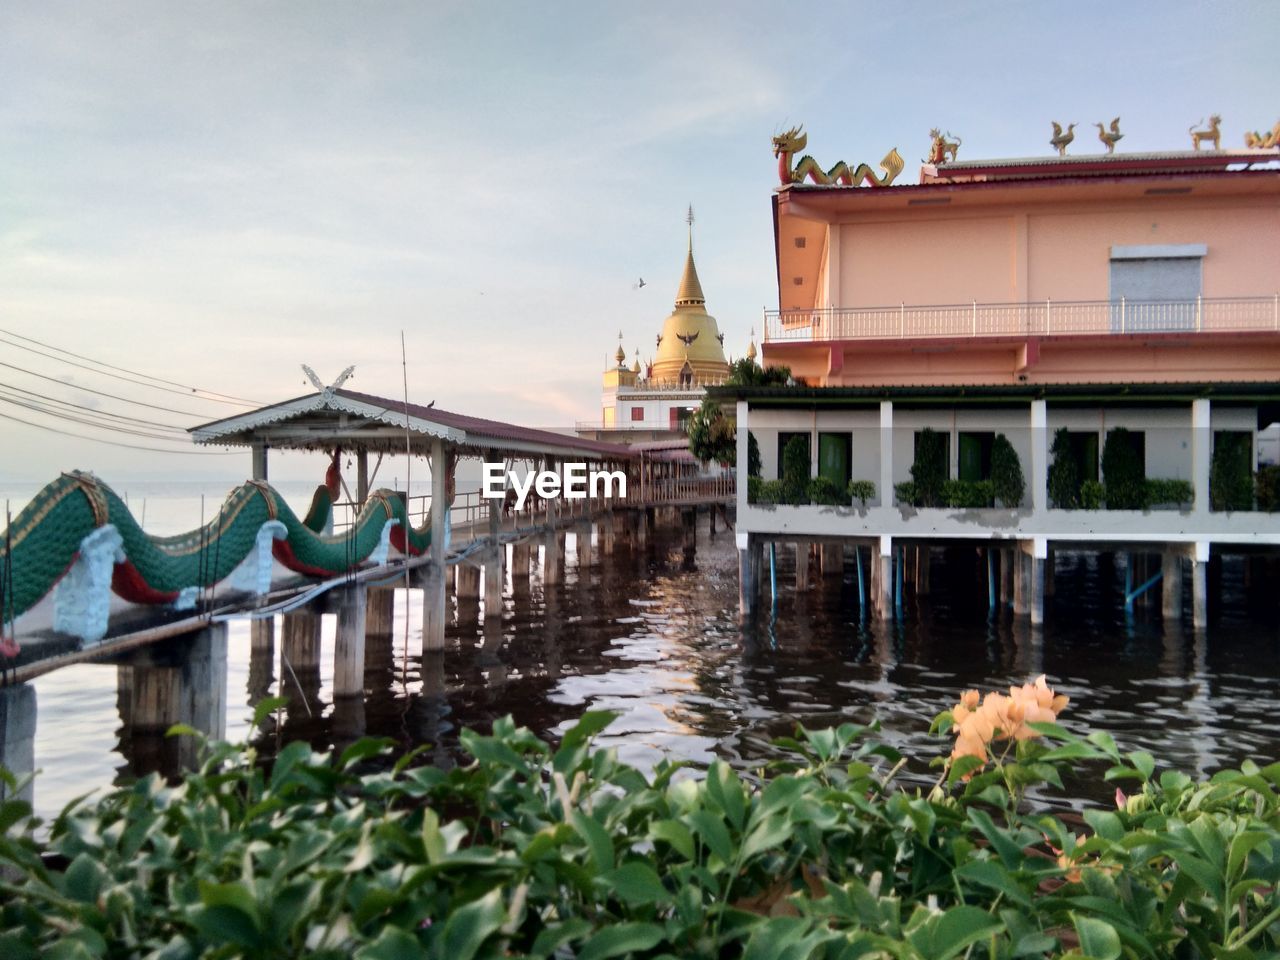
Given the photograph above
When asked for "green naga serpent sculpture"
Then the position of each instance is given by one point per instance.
(77, 518)
(787, 145)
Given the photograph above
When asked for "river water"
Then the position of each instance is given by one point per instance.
(640, 634)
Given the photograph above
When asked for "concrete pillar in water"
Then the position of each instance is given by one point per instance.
(495, 580)
(1171, 584)
(711, 520)
(521, 559)
(1017, 562)
(882, 578)
(643, 522)
(1039, 456)
(1035, 564)
(380, 611)
(467, 576)
(606, 534)
(433, 598)
(349, 642)
(552, 558)
(1200, 585)
(924, 565)
(18, 735)
(833, 559)
(748, 571)
(300, 656)
(262, 659)
(802, 566)
(582, 545)
(189, 687)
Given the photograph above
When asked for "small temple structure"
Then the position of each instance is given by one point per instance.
(654, 402)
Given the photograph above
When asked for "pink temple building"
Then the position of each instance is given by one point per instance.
(1058, 303)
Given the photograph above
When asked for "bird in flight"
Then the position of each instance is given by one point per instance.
(639, 285)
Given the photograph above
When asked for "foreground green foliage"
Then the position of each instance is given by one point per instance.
(533, 851)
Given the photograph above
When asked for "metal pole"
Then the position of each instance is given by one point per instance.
(991, 584)
(862, 589)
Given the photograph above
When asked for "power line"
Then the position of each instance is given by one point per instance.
(105, 413)
(114, 443)
(186, 389)
(87, 421)
(101, 393)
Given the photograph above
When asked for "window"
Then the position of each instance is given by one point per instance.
(835, 457)
(784, 438)
(637, 414)
(1155, 287)
(975, 456)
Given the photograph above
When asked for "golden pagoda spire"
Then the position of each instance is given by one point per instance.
(690, 292)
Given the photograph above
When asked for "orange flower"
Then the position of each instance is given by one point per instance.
(998, 717)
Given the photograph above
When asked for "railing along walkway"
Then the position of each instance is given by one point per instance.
(1040, 318)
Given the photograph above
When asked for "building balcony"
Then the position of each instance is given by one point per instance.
(1046, 318)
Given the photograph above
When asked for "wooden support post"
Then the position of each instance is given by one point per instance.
(1021, 583)
(18, 736)
(1006, 576)
(690, 541)
(259, 465)
(924, 569)
(467, 587)
(606, 533)
(803, 581)
(833, 559)
(582, 545)
(552, 558)
(349, 642)
(380, 611)
(711, 520)
(300, 640)
(433, 600)
(1050, 572)
(1171, 584)
(521, 559)
(362, 477)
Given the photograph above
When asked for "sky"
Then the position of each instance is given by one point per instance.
(217, 193)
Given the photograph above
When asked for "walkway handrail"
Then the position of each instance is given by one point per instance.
(1033, 318)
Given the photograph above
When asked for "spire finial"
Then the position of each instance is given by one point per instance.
(689, 220)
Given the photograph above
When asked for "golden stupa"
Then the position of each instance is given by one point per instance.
(689, 350)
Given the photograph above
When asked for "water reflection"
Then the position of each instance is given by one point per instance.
(638, 632)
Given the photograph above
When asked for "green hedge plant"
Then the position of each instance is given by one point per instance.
(862, 491)
(1007, 482)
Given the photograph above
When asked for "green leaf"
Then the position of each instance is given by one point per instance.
(591, 723)
(552, 938)
(432, 840)
(364, 748)
(265, 708)
(1144, 763)
(725, 789)
(1098, 939)
(468, 927)
(85, 879)
(711, 830)
(767, 834)
(675, 833)
(597, 840)
(989, 874)
(943, 936)
(1007, 847)
(392, 944)
(636, 883)
(1105, 824)
(618, 939)
(1242, 845)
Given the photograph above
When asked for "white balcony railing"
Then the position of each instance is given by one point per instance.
(1042, 318)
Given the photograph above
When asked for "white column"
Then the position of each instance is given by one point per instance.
(1039, 456)
(743, 447)
(259, 449)
(886, 453)
(1200, 585)
(1201, 451)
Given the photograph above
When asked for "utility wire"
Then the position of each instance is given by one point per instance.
(114, 443)
(186, 389)
(101, 393)
(94, 410)
(89, 422)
